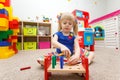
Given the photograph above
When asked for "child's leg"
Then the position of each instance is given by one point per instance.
(88, 54)
(40, 60)
(91, 56)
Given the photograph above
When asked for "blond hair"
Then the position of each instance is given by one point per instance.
(70, 17)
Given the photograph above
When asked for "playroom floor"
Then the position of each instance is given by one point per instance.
(106, 66)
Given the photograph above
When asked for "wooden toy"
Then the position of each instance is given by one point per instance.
(78, 68)
(61, 62)
(40, 60)
(25, 68)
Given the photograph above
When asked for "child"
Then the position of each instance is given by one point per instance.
(66, 40)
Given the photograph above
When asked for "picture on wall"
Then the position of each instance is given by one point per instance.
(99, 33)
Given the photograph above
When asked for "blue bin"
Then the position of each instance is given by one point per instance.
(88, 37)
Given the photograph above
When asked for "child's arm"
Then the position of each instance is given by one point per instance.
(77, 47)
(63, 48)
(76, 57)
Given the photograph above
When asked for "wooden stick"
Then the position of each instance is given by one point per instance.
(24, 68)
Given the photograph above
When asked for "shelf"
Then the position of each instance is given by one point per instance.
(45, 24)
(44, 36)
(27, 34)
(20, 35)
(29, 23)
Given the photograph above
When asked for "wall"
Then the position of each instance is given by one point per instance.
(112, 5)
(29, 9)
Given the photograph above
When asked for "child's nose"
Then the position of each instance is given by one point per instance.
(67, 24)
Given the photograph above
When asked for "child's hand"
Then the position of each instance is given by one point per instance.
(66, 52)
(74, 60)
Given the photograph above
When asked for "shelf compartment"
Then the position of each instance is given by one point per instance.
(30, 38)
(30, 45)
(44, 44)
(29, 31)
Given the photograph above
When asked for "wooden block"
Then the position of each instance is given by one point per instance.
(78, 68)
(25, 68)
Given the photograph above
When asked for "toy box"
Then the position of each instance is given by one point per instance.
(29, 31)
(44, 45)
(29, 45)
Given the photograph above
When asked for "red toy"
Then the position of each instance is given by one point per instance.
(48, 70)
(24, 68)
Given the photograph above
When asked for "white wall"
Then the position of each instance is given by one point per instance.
(32, 8)
(29, 9)
(113, 5)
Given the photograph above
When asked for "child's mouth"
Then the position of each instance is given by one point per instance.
(67, 28)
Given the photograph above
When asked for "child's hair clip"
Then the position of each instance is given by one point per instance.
(59, 16)
(71, 34)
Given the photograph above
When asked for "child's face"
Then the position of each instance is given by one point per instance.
(66, 25)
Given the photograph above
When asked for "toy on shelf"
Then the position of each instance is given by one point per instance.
(8, 30)
(45, 19)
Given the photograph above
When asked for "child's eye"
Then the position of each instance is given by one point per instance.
(64, 23)
(70, 23)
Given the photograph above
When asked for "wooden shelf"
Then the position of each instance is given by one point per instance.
(20, 35)
(29, 36)
(44, 36)
(45, 26)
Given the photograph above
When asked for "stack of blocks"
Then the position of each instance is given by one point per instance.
(8, 30)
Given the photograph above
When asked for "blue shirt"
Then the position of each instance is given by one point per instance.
(68, 41)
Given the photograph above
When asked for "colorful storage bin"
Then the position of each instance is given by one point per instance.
(29, 45)
(44, 45)
(18, 45)
(30, 31)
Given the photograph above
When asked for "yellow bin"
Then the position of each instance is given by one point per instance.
(29, 45)
(29, 31)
